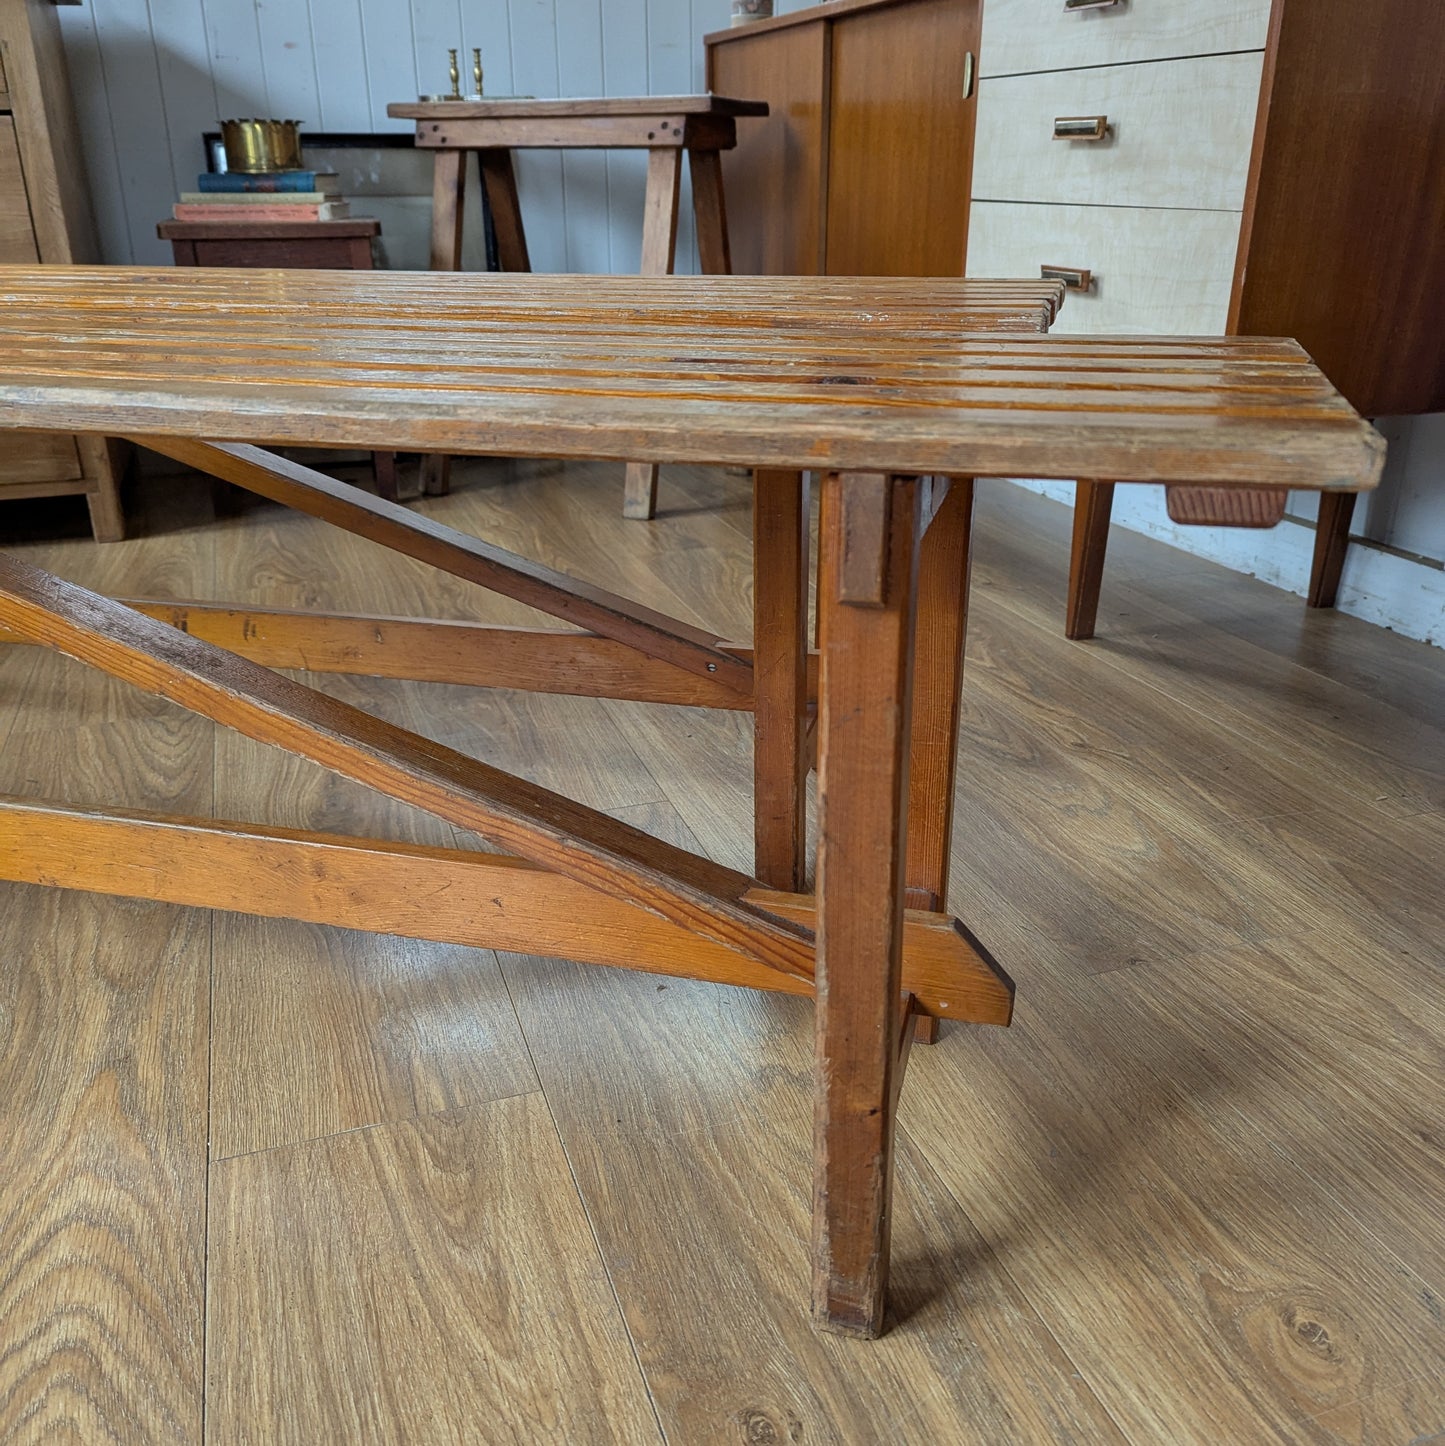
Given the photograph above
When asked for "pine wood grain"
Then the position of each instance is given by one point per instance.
(421, 1281)
(631, 368)
(271, 709)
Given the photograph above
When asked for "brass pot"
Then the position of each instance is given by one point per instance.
(256, 146)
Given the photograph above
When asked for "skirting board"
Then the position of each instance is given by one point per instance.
(1380, 586)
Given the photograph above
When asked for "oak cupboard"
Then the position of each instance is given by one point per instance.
(45, 216)
(862, 167)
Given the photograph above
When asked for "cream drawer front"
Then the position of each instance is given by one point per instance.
(1025, 35)
(1180, 134)
(1155, 271)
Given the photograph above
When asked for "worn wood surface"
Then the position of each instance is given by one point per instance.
(943, 595)
(781, 550)
(404, 531)
(537, 660)
(613, 105)
(432, 893)
(1275, 769)
(864, 707)
(578, 841)
(661, 369)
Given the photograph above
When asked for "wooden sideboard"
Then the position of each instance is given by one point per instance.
(45, 216)
(862, 167)
(1269, 169)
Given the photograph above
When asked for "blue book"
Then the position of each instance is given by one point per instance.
(232, 182)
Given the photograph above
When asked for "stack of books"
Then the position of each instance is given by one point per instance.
(264, 196)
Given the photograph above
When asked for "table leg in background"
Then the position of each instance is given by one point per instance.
(659, 249)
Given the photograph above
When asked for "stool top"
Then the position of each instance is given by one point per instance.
(929, 375)
(520, 107)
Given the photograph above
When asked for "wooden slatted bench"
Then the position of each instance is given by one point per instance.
(896, 392)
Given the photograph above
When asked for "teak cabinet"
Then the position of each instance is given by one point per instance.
(1267, 169)
(45, 216)
(862, 168)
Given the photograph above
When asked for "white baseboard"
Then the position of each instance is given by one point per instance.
(1402, 593)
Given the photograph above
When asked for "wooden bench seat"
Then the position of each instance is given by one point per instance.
(897, 392)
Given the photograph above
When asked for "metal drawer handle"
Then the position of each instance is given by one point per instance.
(1075, 278)
(1081, 127)
(1089, 4)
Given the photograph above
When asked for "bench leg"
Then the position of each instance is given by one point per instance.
(1093, 502)
(780, 678)
(870, 524)
(659, 251)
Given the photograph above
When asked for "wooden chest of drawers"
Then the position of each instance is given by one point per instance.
(45, 217)
(1267, 167)
(1153, 211)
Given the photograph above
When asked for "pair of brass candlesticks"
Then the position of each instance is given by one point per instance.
(456, 78)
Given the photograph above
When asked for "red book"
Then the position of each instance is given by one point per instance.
(220, 211)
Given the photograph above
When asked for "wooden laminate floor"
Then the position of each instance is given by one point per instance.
(268, 1182)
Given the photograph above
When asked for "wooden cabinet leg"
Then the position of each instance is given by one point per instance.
(659, 251)
(710, 213)
(780, 678)
(1332, 539)
(1093, 501)
(863, 741)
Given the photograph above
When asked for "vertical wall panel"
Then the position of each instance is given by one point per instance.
(624, 72)
(92, 104)
(188, 92)
(584, 173)
(339, 48)
(288, 61)
(539, 173)
(390, 57)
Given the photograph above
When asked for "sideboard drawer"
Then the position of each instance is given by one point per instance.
(1179, 134)
(1026, 35)
(1154, 271)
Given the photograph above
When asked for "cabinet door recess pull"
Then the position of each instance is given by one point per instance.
(970, 66)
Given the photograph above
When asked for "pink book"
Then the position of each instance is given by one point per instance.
(324, 211)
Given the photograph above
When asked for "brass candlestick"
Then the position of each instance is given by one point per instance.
(476, 73)
(455, 74)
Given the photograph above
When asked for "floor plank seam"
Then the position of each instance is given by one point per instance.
(391, 1123)
(586, 1209)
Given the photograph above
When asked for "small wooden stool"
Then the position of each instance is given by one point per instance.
(296, 245)
(665, 126)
